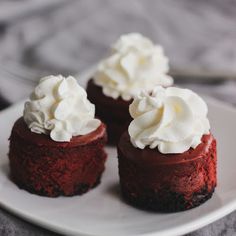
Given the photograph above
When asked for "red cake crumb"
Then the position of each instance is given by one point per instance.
(113, 112)
(167, 182)
(45, 167)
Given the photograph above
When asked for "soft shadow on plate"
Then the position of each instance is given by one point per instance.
(5, 170)
(114, 191)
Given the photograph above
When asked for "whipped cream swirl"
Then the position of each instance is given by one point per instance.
(171, 119)
(59, 107)
(135, 64)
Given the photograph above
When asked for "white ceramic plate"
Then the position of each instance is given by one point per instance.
(101, 211)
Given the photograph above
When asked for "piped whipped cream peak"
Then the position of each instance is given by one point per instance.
(59, 107)
(134, 64)
(170, 119)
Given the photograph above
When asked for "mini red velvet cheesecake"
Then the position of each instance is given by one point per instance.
(154, 181)
(45, 167)
(135, 64)
(46, 157)
(113, 112)
(163, 167)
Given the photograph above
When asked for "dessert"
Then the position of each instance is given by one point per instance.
(57, 147)
(167, 158)
(134, 64)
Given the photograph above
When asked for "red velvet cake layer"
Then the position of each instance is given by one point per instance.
(43, 166)
(167, 182)
(113, 112)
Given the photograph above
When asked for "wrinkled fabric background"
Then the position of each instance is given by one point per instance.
(38, 37)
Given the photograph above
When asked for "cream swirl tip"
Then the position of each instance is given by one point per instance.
(134, 63)
(59, 107)
(170, 119)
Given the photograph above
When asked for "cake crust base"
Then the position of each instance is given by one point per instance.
(168, 201)
(80, 189)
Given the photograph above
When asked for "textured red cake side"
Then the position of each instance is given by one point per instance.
(113, 112)
(45, 167)
(168, 183)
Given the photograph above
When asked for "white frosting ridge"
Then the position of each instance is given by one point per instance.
(172, 120)
(135, 64)
(59, 107)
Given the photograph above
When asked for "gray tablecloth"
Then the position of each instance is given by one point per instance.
(38, 37)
